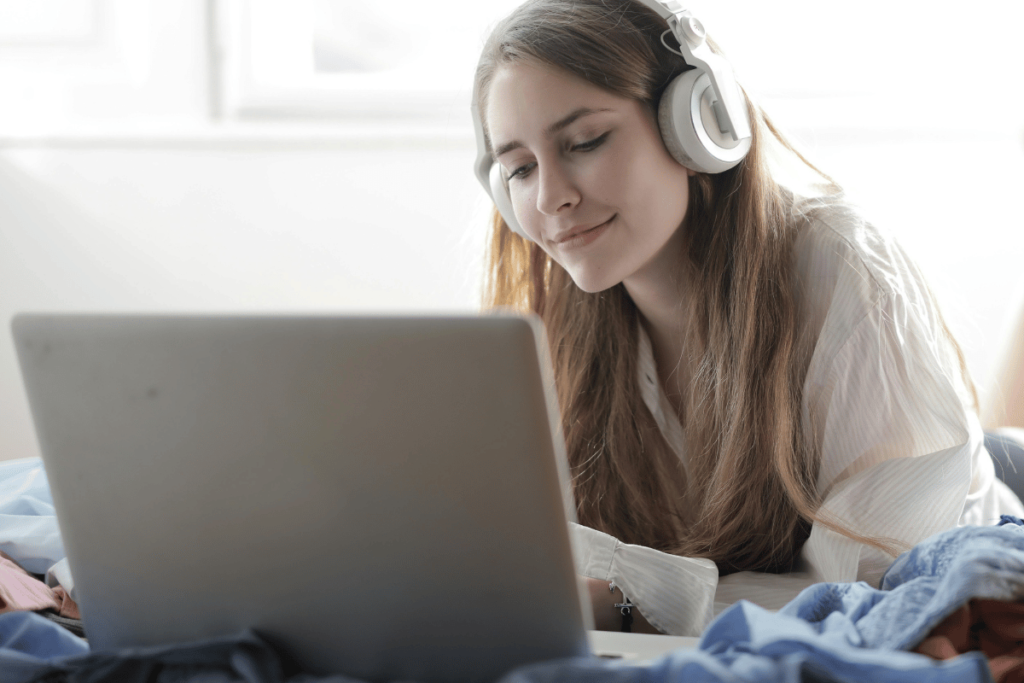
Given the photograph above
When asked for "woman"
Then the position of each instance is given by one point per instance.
(757, 389)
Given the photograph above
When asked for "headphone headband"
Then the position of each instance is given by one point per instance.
(687, 29)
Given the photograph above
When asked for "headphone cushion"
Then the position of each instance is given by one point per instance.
(683, 128)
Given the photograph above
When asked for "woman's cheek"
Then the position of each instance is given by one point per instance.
(527, 217)
(604, 181)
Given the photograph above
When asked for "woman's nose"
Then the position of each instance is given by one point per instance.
(557, 191)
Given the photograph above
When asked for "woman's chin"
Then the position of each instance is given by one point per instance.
(591, 284)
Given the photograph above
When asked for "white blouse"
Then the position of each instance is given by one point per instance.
(902, 454)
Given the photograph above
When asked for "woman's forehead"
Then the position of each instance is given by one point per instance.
(528, 98)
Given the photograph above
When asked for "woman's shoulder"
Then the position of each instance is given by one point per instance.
(848, 273)
(836, 248)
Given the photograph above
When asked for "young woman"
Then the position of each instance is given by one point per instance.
(757, 389)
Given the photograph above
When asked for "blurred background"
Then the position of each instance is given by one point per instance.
(315, 155)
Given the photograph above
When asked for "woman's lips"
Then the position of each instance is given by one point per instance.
(582, 239)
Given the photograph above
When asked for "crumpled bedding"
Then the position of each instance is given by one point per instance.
(28, 522)
(830, 632)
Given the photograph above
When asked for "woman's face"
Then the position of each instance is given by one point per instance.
(589, 177)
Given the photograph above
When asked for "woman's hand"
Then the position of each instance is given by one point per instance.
(607, 617)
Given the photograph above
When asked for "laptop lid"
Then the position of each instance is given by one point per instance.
(383, 497)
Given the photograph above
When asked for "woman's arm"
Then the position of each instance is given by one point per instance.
(672, 594)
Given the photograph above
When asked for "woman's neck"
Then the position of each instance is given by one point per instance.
(661, 299)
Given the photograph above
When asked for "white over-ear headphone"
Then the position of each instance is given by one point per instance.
(702, 113)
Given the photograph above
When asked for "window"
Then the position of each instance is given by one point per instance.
(350, 58)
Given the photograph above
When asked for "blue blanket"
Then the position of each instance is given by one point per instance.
(830, 632)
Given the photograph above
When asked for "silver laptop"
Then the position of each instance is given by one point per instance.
(383, 497)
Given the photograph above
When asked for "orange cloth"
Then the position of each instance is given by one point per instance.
(995, 627)
(68, 607)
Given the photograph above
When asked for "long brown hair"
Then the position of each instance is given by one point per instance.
(747, 498)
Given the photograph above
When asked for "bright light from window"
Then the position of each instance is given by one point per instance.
(363, 46)
(42, 21)
(881, 63)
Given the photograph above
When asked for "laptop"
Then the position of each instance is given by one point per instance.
(382, 497)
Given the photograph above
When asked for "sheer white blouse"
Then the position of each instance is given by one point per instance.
(902, 453)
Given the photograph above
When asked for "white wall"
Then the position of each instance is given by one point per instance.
(235, 227)
(954, 203)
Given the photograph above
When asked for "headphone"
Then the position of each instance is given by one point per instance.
(702, 114)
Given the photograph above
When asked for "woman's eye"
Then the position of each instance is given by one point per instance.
(591, 145)
(585, 146)
(521, 172)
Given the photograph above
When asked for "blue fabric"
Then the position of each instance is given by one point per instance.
(28, 642)
(930, 582)
(831, 632)
(28, 523)
(33, 647)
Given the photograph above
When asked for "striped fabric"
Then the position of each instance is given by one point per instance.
(902, 453)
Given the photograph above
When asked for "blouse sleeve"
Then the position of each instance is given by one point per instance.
(901, 454)
(675, 594)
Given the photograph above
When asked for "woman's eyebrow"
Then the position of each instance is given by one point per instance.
(555, 127)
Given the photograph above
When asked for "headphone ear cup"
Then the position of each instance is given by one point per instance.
(689, 127)
(502, 200)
